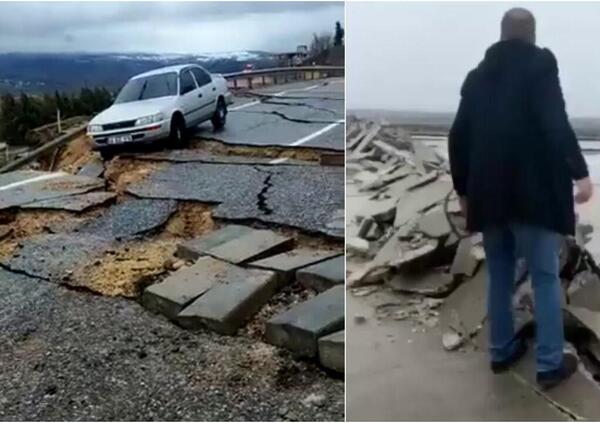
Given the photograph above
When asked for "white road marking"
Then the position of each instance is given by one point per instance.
(255, 102)
(32, 180)
(308, 138)
(317, 133)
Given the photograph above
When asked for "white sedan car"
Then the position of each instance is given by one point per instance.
(161, 104)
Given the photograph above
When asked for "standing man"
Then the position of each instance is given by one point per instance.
(513, 156)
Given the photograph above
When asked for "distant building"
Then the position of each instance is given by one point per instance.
(295, 58)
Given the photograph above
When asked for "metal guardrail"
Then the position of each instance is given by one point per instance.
(57, 142)
(273, 76)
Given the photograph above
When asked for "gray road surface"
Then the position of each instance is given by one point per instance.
(306, 114)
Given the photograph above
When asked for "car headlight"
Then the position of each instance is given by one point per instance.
(94, 128)
(146, 120)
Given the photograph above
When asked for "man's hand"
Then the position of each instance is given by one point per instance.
(585, 188)
(463, 205)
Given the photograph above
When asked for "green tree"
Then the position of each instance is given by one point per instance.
(338, 38)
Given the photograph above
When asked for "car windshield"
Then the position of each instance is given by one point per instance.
(161, 85)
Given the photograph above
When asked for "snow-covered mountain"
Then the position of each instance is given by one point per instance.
(47, 72)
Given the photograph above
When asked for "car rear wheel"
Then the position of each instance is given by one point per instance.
(220, 116)
(178, 135)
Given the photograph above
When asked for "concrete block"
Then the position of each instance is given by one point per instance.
(192, 249)
(228, 304)
(254, 245)
(465, 261)
(331, 351)
(299, 328)
(285, 264)
(323, 275)
(178, 290)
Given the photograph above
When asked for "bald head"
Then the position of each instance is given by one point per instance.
(518, 24)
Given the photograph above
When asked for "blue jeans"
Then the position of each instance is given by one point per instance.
(540, 248)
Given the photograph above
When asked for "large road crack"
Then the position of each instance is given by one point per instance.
(261, 201)
(300, 104)
(291, 119)
(292, 97)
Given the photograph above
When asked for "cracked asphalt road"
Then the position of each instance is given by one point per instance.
(307, 114)
(67, 355)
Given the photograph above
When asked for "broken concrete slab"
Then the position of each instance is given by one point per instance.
(324, 275)
(357, 245)
(434, 224)
(226, 306)
(434, 283)
(197, 247)
(251, 246)
(423, 180)
(93, 169)
(465, 261)
(56, 257)
(76, 203)
(299, 328)
(419, 200)
(291, 261)
(464, 311)
(24, 187)
(179, 289)
(380, 210)
(130, 218)
(332, 351)
(305, 197)
(578, 396)
(587, 295)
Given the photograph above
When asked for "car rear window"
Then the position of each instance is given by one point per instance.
(154, 86)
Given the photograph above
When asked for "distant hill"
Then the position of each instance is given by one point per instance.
(586, 128)
(38, 73)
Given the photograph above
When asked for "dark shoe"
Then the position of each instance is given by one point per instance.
(551, 378)
(502, 366)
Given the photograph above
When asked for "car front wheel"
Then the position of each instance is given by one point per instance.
(178, 134)
(220, 116)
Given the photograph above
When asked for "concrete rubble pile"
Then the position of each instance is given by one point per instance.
(406, 234)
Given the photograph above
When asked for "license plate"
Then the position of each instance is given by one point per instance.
(118, 139)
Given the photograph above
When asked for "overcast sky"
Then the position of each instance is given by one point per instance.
(414, 56)
(183, 27)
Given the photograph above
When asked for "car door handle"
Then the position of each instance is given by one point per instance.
(200, 95)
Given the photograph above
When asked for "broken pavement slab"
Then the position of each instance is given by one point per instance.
(228, 304)
(251, 246)
(183, 286)
(578, 396)
(93, 169)
(75, 203)
(323, 275)
(464, 310)
(56, 257)
(434, 283)
(299, 328)
(465, 260)
(434, 224)
(130, 218)
(332, 352)
(20, 188)
(587, 295)
(197, 247)
(289, 262)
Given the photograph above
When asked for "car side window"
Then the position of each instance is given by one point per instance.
(202, 77)
(187, 83)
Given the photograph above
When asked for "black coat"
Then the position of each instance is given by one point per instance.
(513, 153)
